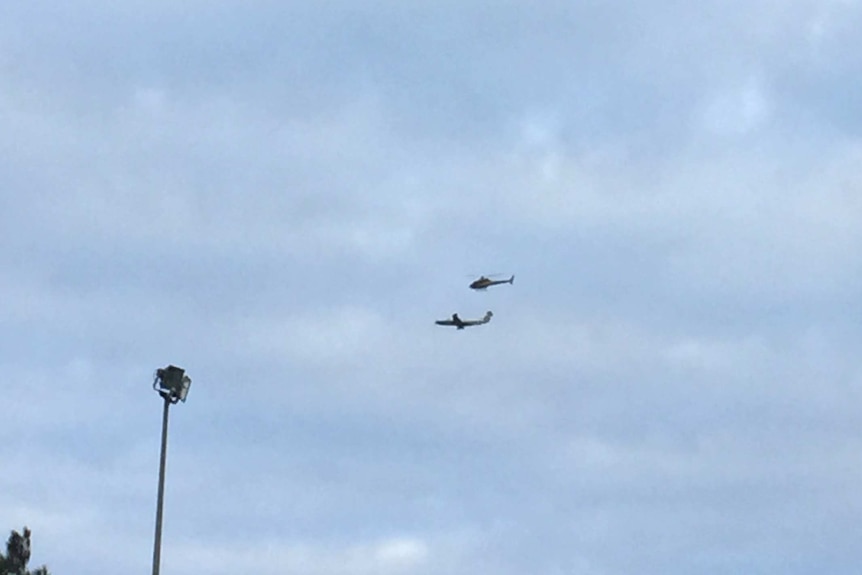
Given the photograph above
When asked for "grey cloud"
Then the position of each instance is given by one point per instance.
(283, 197)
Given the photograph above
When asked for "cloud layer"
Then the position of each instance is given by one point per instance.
(282, 197)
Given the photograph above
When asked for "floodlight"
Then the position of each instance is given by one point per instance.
(173, 383)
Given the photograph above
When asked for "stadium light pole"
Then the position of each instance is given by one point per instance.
(172, 384)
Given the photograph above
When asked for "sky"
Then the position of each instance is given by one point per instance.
(281, 197)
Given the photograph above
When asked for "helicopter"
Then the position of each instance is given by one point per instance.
(459, 323)
(483, 282)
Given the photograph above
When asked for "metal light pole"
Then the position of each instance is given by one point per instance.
(173, 385)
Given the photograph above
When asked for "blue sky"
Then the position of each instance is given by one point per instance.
(282, 197)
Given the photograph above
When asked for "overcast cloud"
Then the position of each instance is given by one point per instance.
(281, 197)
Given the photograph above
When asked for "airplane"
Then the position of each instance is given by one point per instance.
(484, 282)
(461, 324)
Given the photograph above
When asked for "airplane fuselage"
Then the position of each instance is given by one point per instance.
(459, 323)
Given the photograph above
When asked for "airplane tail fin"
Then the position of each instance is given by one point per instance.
(488, 316)
(512, 279)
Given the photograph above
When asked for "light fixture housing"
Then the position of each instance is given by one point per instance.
(172, 383)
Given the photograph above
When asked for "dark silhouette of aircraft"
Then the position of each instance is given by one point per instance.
(483, 282)
(461, 324)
